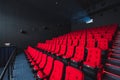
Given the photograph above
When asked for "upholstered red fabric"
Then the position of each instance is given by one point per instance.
(46, 71)
(93, 58)
(62, 50)
(70, 52)
(57, 71)
(73, 74)
(103, 44)
(79, 54)
(43, 61)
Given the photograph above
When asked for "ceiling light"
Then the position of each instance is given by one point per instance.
(89, 21)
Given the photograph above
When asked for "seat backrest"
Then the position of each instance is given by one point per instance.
(57, 71)
(57, 48)
(48, 66)
(82, 42)
(73, 74)
(75, 42)
(43, 61)
(93, 58)
(37, 55)
(63, 49)
(90, 43)
(49, 47)
(39, 58)
(53, 48)
(70, 51)
(69, 41)
(64, 42)
(103, 44)
(79, 54)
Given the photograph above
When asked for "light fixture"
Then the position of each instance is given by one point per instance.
(89, 21)
(7, 44)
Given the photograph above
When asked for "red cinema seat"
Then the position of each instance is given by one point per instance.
(57, 71)
(38, 61)
(70, 52)
(103, 44)
(42, 63)
(36, 57)
(39, 58)
(47, 70)
(82, 42)
(53, 49)
(79, 54)
(75, 42)
(73, 74)
(62, 50)
(90, 43)
(93, 58)
(57, 49)
(69, 42)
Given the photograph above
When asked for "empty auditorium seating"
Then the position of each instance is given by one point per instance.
(82, 47)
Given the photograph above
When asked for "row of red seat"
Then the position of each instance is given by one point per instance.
(83, 47)
(49, 68)
(81, 42)
(93, 59)
(106, 31)
(85, 38)
(78, 54)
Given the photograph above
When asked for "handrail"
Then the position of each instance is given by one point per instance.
(11, 58)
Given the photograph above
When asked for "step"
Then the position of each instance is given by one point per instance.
(116, 43)
(116, 51)
(117, 48)
(115, 56)
(114, 61)
(114, 46)
(113, 69)
(110, 76)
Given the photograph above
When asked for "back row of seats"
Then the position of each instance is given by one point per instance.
(80, 50)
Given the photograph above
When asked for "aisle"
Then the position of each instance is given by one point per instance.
(22, 70)
(112, 68)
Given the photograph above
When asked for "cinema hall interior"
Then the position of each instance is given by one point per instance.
(59, 39)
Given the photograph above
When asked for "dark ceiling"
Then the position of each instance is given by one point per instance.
(52, 11)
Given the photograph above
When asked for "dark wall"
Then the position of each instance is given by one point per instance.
(14, 17)
(108, 16)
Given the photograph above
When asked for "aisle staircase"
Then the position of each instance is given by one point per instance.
(112, 67)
